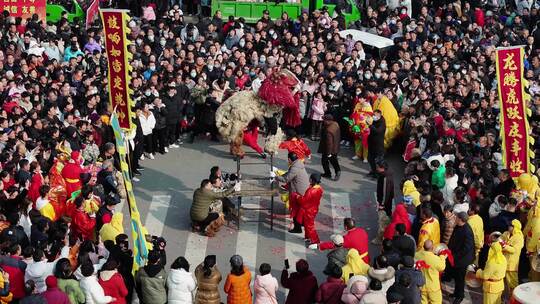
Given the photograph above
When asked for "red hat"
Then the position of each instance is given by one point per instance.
(51, 282)
(75, 155)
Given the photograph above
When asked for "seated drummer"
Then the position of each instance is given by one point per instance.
(202, 199)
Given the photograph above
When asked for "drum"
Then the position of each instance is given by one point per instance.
(527, 293)
(470, 278)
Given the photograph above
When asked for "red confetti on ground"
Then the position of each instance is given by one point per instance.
(280, 250)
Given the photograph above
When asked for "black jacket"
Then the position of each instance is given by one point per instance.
(175, 108)
(376, 136)
(161, 117)
(462, 245)
(404, 244)
(503, 188)
(15, 235)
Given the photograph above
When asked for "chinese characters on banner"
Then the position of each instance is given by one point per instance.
(25, 8)
(114, 24)
(513, 119)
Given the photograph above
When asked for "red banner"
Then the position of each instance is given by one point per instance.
(25, 8)
(92, 12)
(117, 54)
(513, 119)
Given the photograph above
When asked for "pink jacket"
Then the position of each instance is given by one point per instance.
(318, 107)
(265, 289)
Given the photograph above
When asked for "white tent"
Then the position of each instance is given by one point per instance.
(368, 38)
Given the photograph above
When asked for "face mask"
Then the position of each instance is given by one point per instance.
(358, 92)
(383, 66)
(274, 36)
(152, 68)
(252, 74)
(456, 66)
(162, 42)
(139, 41)
(376, 118)
(329, 36)
(263, 59)
(147, 93)
(242, 43)
(367, 76)
(303, 65)
(377, 75)
(439, 45)
(203, 51)
(271, 32)
(210, 67)
(403, 11)
(151, 38)
(193, 74)
(171, 94)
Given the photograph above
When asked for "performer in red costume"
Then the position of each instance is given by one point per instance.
(72, 173)
(82, 224)
(306, 207)
(400, 216)
(281, 88)
(356, 237)
(251, 135)
(296, 145)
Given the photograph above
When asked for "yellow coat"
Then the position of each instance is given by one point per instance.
(430, 231)
(532, 229)
(355, 265)
(110, 230)
(512, 250)
(48, 212)
(529, 183)
(477, 226)
(436, 265)
(391, 118)
(410, 189)
(495, 270)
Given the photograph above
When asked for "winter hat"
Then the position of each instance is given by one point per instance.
(337, 239)
(237, 260)
(51, 282)
(407, 261)
(75, 155)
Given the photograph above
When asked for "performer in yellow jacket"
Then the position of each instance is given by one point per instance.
(430, 229)
(431, 266)
(512, 245)
(532, 235)
(390, 115)
(477, 226)
(409, 189)
(493, 275)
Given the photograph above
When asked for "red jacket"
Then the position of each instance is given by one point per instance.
(15, 267)
(330, 292)
(302, 287)
(356, 238)
(82, 224)
(114, 286)
(400, 216)
(35, 183)
(308, 203)
(56, 296)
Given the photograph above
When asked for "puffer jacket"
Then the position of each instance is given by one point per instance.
(385, 275)
(73, 290)
(208, 287)
(181, 287)
(265, 288)
(151, 283)
(237, 288)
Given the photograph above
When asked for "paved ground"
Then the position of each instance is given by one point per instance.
(164, 197)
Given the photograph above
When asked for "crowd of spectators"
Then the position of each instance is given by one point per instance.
(439, 75)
